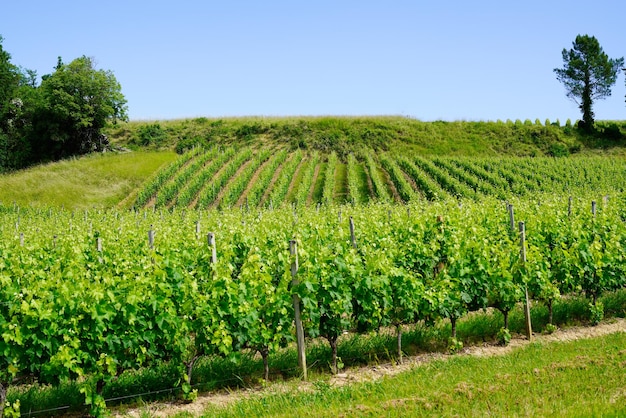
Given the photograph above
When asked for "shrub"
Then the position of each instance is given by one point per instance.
(612, 132)
(186, 144)
(558, 149)
(151, 135)
(596, 313)
(504, 336)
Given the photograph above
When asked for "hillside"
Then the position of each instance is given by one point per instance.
(392, 133)
(266, 162)
(92, 181)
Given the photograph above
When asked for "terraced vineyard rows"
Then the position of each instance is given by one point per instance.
(265, 178)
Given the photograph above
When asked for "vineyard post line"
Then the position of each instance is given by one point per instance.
(352, 236)
(511, 216)
(211, 241)
(293, 251)
(593, 208)
(529, 329)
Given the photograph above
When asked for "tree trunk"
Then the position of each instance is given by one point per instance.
(586, 105)
(266, 366)
(333, 347)
(399, 334)
(99, 386)
(506, 319)
(453, 323)
(550, 316)
(4, 386)
(190, 366)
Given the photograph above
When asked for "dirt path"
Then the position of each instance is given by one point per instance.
(368, 373)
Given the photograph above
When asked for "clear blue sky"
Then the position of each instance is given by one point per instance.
(449, 60)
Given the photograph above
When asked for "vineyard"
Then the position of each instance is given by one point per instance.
(268, 178)
(89, 295)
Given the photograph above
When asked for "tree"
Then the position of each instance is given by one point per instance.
(17, 94)
(77, 102)
(587, 75)
(9, 81)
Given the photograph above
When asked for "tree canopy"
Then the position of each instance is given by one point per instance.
(587, 74)
(77, 102)
(63, 116)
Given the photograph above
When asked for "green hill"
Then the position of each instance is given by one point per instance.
(392, 133)
(267, 162)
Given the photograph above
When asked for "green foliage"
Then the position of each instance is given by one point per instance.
(455, 345)
(11, 410)
(596, 313)
(550, 329)
(18, 99)
(78, 101)
(504, 336)
(588, 75)
(345, 135)
(152, 135)
(64, 116)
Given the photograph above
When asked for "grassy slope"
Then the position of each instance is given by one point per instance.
(104, 181)
(93, 181)
(348, 134)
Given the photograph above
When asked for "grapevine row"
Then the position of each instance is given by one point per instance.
(210, 191)
(152, 187)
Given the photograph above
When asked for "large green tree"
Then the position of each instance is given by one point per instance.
(587, 74)
(17, 91)
(9, 82)
(77, 101)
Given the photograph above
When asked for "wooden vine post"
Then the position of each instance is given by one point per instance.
(293, 251)
(511, 216)
(211, 241)
(151, 238)
(529, 329)
(352, 236)
(593, 208)
(99, 249)
(569, 207)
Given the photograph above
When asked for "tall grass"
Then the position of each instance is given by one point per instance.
(97, 180)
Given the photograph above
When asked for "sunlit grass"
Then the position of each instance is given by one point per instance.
(580, 378)
(93, 181)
